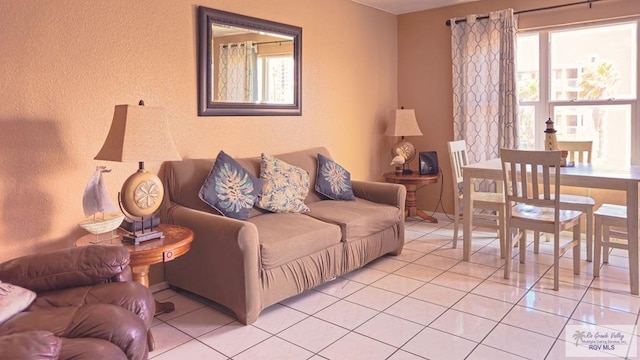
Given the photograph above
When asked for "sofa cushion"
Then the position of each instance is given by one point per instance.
(287, 237)
(284, 186)
(230, 189)
(333, 181)
(357, 218)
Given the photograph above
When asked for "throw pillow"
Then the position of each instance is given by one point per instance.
(333, 181)
(284, 186)
(230, 188)
(13, 299)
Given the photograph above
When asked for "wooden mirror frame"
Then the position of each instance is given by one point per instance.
(208, 107)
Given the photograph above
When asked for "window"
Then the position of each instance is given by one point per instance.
(585, 79)
(276, 75)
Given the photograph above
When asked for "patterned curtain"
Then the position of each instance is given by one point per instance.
(237, 75)
(485, 104)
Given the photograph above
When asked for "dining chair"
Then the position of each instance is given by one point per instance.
(578, 152)
(487, 201)
(532, 195)
(611, 222)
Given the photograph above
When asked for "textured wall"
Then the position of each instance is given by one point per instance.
(424, 68)
(66, 63)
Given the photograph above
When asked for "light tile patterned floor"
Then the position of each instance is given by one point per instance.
(425, 304)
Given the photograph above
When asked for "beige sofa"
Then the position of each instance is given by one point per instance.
(246, 266)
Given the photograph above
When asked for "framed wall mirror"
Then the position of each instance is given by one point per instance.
(247, 66)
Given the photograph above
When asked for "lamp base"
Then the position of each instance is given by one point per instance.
(407, 171)
(137, 238)
(141, 193)
(132, 225)
(405, 149)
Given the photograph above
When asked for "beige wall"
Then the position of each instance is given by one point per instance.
(424, 68)
(66, 63)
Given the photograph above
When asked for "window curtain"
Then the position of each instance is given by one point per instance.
(485, 104)
(237, 75)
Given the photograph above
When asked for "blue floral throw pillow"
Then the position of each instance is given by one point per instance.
(333, 181)
(284, 186)
(230, 189)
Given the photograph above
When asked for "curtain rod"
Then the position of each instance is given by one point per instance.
(590, 2)
(258, 43)
(273, 42)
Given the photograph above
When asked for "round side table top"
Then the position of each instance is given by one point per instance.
(414, 178)
(177, 241)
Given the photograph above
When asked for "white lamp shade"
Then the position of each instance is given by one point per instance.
(138, 133)
(403, 123)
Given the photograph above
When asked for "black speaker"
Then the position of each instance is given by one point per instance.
(428, 163)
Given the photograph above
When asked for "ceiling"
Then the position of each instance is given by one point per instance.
(398, 7)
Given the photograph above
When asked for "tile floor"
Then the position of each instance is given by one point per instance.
(425, 304)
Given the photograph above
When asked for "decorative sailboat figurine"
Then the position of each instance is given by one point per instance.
(103, 215)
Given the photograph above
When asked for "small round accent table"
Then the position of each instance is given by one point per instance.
(176, 242)
(411, 182)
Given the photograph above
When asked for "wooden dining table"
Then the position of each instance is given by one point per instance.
(581, 175)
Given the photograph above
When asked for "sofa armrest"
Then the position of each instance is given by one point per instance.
(66, 268)
(223, 263)
(379, 192)
(124, 276)
(30, 345)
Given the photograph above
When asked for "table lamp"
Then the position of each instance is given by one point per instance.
(139, 133)
(403, 123)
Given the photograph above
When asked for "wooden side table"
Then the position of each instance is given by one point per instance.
(411, 182)
(176, 242)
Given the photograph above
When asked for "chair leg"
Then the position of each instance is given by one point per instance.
(633, 267)
(456, 225)
(589, 215)
(597, 246)
(502, 232)
(556, 259)
(536, 242)
(508, 254)
(606, 237)
(576, 249)
(523, 245)
(151, 343)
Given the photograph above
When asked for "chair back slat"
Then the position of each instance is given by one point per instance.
(529, 178)
(458, 157)
(578, 151)
(535, 188)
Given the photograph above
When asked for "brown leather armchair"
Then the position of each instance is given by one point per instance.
(86, 307)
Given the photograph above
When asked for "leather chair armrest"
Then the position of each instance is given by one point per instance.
(30, 345)
(124, 276)
(66, 268)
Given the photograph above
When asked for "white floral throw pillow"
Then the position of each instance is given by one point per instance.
(284, 186)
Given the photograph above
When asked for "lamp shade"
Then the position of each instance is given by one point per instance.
(138, 133)
(403, 123)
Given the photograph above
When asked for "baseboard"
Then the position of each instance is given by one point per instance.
(159, 287)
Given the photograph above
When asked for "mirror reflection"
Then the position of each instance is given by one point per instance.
(247, 66)
(251, 66)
